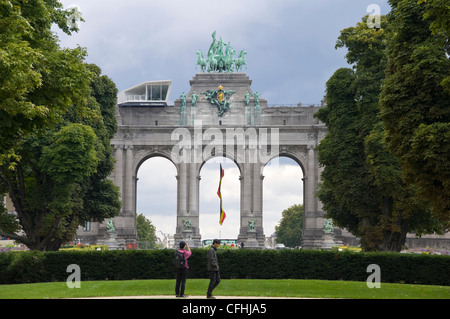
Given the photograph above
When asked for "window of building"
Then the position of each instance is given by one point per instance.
(87, 226)
(157, 92)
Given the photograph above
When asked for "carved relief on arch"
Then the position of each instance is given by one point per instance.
(295, 152)
(142, 153)
(127, 135)
(118, 146)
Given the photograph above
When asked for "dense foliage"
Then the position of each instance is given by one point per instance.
(146, 232)
(365, 185)
(415, 99)
(289, 230)
(38, 79)
(61, 180)
(56, 121)
(35, 266)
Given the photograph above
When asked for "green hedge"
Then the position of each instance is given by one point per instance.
(31, 266)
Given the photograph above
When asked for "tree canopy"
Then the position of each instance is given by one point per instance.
(362, 186)
(38, 79)
(61, 180)
(57, 118)
(146, 232)
(414, 101)
(289, 231)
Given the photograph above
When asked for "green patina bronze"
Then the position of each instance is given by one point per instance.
(328, 227)
(219, 98)
(220, 58)
(110, 226)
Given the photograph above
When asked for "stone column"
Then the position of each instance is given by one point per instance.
(246, 198)
(118, 169)
(251, 230)
(258, 203)
(193, 205)
(192, 235)
(312, 234)
(182, 189)
(182, 199)
(126, 222)
(130, 180)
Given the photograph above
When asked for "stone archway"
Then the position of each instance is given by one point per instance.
(250, 133)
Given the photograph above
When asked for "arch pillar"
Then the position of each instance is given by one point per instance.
(118, 168)
(125, 178)
(251, 231)
(188, 229)
(313, 220)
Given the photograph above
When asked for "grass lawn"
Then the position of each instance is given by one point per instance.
(227, 287)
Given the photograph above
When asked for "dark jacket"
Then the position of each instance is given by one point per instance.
(213, 263)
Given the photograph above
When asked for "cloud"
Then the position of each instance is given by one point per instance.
(289, 42)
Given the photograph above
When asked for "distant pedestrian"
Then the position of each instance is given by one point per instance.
(213, 268)
(181, 264)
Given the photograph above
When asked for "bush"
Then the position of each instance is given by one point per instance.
(32, 266)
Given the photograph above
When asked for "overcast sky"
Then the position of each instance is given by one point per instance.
(291, 55)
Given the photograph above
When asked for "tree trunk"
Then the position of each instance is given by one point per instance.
(394, 237)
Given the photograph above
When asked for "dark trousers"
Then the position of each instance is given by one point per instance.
(181, 281)
(214, 280)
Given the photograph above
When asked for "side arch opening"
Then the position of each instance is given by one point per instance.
(283, 187)
(156, 197)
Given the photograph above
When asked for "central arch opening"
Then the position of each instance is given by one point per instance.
(209, 205)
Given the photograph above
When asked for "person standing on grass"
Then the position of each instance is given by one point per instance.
(213, 268)
(182, 272)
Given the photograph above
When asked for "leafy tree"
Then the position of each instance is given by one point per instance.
(105, 93)
(437, 12)
(38, 79)
(346, 190)
(56, 120)
(146, 231)
(289, 231)
(61, 180)
(415, 106)
(362, 187)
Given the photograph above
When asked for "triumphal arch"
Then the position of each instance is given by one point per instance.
(220, 114)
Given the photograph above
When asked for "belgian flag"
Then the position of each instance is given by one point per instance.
(222, 213)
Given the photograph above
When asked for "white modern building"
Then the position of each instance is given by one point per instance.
(150, 93)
